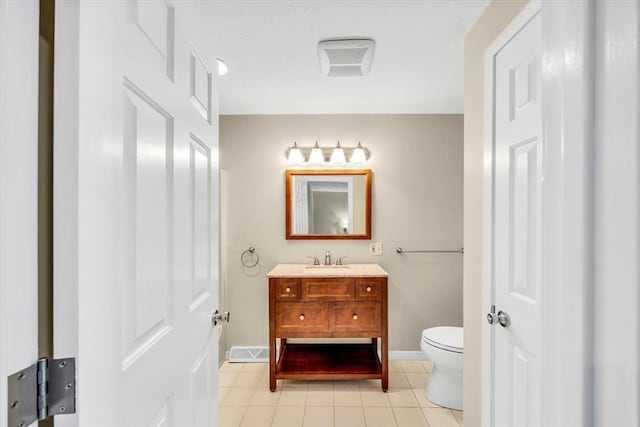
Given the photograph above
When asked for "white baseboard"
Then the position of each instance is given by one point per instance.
(406, 355)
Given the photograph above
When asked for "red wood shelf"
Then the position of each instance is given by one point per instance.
(329, 362)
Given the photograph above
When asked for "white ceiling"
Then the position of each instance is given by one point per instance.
(271, 50)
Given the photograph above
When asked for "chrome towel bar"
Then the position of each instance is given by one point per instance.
(404, 251)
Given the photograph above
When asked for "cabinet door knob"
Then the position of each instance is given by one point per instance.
(369, 288)
(288, 290)
(354, 317)
(302, 317)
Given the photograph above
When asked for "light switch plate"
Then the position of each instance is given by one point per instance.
(375, 248)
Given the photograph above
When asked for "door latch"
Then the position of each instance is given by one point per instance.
(220, 317)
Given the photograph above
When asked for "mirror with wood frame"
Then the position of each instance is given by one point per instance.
(328, 204)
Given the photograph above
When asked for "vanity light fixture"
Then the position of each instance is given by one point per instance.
(316, 155)
(337, 156)
(358, 155)
(295, 154)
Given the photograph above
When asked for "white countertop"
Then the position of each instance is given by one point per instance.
(308, 270)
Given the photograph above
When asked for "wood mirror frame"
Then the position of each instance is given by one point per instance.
(291, 173)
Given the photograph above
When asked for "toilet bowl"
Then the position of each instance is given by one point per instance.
(443, 346)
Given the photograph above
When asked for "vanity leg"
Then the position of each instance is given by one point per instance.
(272, 337)
(384, 347)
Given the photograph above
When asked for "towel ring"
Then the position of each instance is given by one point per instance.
(246, 256)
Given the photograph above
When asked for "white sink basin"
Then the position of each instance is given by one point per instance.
(328, 269)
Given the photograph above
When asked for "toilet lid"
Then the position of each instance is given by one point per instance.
(444, 337)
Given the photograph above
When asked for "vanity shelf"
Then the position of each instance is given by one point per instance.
(329, 361)
(316, 302)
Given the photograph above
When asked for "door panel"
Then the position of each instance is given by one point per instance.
(144, 187)
(19, 38)
(517, 228)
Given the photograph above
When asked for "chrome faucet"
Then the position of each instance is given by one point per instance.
(327, 258)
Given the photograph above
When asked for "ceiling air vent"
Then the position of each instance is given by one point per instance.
(346, 57)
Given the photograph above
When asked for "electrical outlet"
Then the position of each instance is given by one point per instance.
(375, 248)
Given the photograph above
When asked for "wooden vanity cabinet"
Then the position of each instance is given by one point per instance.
(328, 307)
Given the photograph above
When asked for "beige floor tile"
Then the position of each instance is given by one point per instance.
(428, 365)
(264, 397)
(379, 417)
(226, 379)
(374, 398)
(413, 366)
(347, 385)
(321, 385)
(292, 398)
(458, 415)
(258, 416)
(419, 394)
(349, 416)
(320, 398)
(255, 367)
(417, 379)
(402, 398)
(321, 416)
(231, 367)
(293, 384)
(238, 397)
(246, 379)
(347, 398)
(370, 384)
(440, 417)
(395, 366)
(288, 416)
(231, 416)
(409, 417)
(222, 393)
(398, 380)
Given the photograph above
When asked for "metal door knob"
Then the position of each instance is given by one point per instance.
(504, 319)
(492, 318)
(218, 317)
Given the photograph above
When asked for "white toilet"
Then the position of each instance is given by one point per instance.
(443, 346)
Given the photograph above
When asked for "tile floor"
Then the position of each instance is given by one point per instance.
(245, 400)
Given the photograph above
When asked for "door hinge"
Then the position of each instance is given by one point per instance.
(44, 389)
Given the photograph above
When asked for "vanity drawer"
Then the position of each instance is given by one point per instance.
(356, 317)
(287, 289)
(369, 288)
(300, 317)
(327, 289)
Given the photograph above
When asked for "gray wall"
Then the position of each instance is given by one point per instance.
(417, 204)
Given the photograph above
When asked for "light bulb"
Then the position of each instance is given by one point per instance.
(295, 154)
(316, 155)
(337, 156)
(358, 155)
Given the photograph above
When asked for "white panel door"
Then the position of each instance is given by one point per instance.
(136, 211)
(517, 227)
(18, 190)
